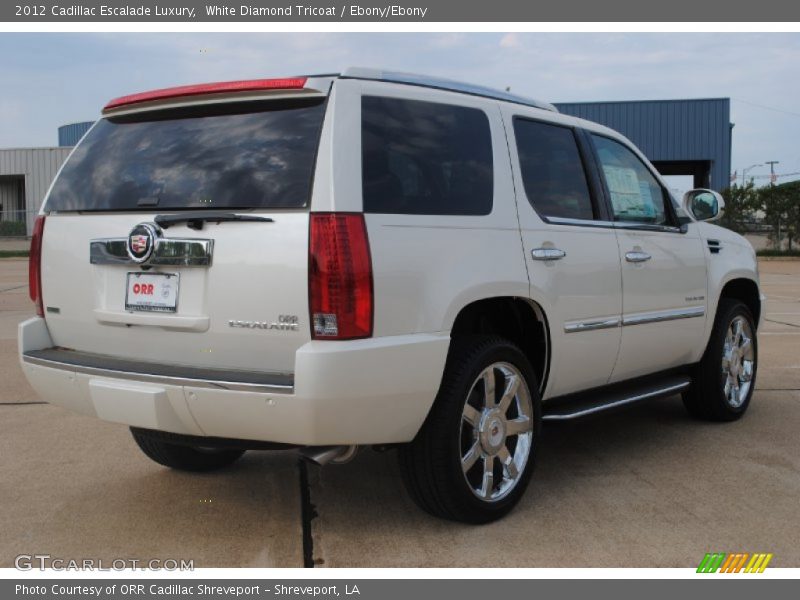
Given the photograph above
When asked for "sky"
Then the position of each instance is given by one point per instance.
(50, 79)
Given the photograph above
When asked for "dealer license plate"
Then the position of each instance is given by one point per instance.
(152, 292)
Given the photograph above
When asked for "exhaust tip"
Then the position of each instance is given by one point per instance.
(323, 455)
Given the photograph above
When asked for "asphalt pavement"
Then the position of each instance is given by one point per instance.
(643, 487)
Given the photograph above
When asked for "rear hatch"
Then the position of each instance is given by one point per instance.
(179, 235)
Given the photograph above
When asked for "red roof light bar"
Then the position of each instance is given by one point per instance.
(222, 87)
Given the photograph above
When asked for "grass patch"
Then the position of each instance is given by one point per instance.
(773, 252)
(14, 253)
(13, 228)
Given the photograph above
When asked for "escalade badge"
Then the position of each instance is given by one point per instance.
(284, 323)
(141, 242)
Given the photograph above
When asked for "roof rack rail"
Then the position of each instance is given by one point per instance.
(442, 84)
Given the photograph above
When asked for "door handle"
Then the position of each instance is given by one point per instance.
(547, 254)
(637, 256)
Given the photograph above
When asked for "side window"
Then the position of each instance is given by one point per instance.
(552, 171)
(636, 195)
(425, 158)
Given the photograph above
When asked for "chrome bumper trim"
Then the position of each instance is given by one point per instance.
(239, 386)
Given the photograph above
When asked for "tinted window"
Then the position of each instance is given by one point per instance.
(425, 158)
(259, 157)
(636, 195)
(552, 171)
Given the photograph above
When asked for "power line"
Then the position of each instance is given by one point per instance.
(776, 175)
(764, 106)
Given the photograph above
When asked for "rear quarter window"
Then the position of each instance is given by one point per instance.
(552, 170)
(425, 158)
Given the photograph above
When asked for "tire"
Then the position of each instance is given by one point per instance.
(724, 380)
(183, 457)
(462, 425)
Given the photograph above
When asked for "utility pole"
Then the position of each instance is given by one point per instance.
(772, 164)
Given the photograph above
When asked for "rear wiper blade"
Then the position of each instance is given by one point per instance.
(195, 220)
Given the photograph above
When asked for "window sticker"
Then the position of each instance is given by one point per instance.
(648, 206)
(621, 180)
(630, 197)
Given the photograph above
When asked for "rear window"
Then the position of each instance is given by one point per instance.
(254, 155)
(425, 158)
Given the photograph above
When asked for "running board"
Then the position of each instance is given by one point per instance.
(584, 404)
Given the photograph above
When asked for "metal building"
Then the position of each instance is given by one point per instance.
(25, 176)
(70, 135)
(680, 137)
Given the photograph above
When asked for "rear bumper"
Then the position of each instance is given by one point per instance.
(373, 391)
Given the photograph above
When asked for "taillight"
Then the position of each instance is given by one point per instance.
(35, 265)
(339, 277)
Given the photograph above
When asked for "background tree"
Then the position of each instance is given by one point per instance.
(741, 204)
(780, 205)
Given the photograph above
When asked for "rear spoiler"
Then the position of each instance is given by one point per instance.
(218, 90)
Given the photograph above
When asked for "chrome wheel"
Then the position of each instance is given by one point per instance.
(738, 361)
(496, 431)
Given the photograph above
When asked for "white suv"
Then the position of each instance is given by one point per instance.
(377, 258)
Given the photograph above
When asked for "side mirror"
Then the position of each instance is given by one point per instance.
(704, 205)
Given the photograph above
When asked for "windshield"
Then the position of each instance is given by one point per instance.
(253, 155)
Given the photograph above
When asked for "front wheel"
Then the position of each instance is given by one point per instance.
(474, 456)
(724, 381)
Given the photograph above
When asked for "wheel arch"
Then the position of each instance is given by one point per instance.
(745, 290)
(520, 320)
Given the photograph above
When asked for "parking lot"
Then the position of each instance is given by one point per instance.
(643, 487)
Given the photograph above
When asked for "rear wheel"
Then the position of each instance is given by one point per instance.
(724, 381)
(474, 456)
(184, 457)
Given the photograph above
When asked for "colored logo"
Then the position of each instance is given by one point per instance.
(139, 243)
(736, 562)
(142, 241)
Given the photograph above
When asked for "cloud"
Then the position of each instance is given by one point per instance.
(450, 40)
(510, 40)
(52, 79)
